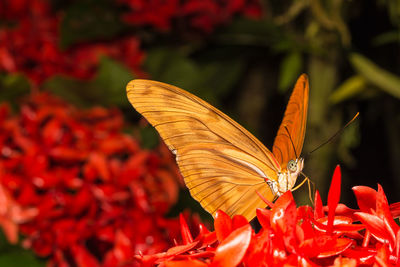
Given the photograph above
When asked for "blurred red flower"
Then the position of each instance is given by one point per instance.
(202, 15)
(30, 35)
(290, 236)
(31, 45)
(81, 191)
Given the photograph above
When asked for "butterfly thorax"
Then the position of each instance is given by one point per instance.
(287, 178)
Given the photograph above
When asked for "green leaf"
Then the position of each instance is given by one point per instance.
(221, 75)
(170, 66)
(209, 79)
(290, 70)
(394, 11)
(348, 89)
(149, 137)
(250, 32)
(16, 256)
(377, 76)
(112, 79)
(107, 88)
(71, 90)
(20, 258)
(386, 38)
(90, 20)
(12, 87)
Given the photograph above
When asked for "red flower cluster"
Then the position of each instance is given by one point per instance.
(82, 192)
(30, 45)
(304, 236)
(29, 36)
(203, 15)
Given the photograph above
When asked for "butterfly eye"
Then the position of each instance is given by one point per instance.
(292, 165)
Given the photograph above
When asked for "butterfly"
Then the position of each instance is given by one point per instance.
(224, 166)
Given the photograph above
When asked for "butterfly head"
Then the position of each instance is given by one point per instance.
(287, 179)
(294, 167)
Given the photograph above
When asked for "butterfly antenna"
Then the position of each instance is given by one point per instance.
(291, 141)
(336, 134)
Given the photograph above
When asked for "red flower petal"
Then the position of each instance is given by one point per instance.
(362, 255)
(340, 224)
(340, 245)
(375, 225)
(258, 248)
(207, 238)
(185, 263)
(382, 256)
(83, 257)
(232, 250)
(181, 249)
(343, 210)
(264, 217)
(278, 213)
(238, 221)
(222, 225)
(333, 197)
(318, 212)
(395, 209)
(185, 232)
(346, 262)
(366, 198)
(383, 211)
(397, 244)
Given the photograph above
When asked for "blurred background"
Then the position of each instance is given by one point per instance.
(75, 156)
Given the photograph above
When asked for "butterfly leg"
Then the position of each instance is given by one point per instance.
(302, 182)
(311, 192)
(310, 183)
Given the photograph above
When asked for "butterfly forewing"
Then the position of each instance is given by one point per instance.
(290, 138)
(223, 165)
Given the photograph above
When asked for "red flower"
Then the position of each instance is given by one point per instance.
(99, 199)
(12, 214)
(202, 15)
(291, 236)
(31, 46)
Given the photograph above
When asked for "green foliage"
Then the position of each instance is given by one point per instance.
(16, 256)
(90, 20)
(209, 79)
(386, 38)
(393, 7)
(265, 33)
(352, 87)
(111, 80)
(107, 88)
(377, 76)
(149, 137)
(12, 87)
(290, 70)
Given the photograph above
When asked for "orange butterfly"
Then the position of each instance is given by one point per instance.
(223, 165)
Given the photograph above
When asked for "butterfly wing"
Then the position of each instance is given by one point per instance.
(223, 165)
(290, 138)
